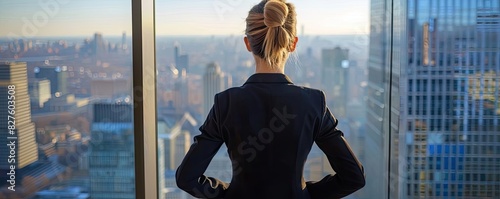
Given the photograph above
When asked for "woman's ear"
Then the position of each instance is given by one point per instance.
(294, 44)
(247, 44)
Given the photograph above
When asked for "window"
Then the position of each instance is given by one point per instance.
(71, 64)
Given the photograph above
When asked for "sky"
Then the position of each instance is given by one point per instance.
(32, 18)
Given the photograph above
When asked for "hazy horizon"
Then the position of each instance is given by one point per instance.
(28, 18)
(167, 35)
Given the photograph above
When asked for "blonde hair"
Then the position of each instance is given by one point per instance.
(271, 30)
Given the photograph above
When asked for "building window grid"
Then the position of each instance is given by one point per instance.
(459, 88)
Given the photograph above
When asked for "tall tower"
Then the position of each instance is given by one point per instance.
(181, 88)
(451, 106)
(111, 160)
(99, 45)
(14, 80)
(335, 64)
(181, 60)
(174, 140)
(39, 92)
(213, 82)
(57, 75)
(124, 39)
(177, 50)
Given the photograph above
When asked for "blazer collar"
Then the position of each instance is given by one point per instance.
(269, 78)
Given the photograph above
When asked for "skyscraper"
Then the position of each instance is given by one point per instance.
(335, 78)
(451, 102)
(213, 83)
(174, 140)
(111, 160)
(181, 60)
(25, 151)
(124, 41)
(99, 47)
(57, 75)
(181, 92)
(39, 90)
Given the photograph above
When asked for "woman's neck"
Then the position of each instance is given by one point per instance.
(261, 66)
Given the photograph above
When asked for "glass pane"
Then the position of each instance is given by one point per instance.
(200, 52)
(379, 133)
(66, 72)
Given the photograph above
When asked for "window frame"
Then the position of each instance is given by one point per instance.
(144, 84)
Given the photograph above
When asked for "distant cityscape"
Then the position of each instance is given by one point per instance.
(79, 100)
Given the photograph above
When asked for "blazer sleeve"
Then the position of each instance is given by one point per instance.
(189, 175)
(349, 175)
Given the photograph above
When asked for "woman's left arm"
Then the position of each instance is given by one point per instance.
(189, 175)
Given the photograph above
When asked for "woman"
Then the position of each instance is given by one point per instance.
(269, 126)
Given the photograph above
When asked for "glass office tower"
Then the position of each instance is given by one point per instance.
(111, 160)
(450, 99)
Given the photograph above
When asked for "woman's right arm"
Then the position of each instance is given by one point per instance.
(349, 175)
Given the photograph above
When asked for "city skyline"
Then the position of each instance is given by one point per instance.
(220, 17)
(85, 87)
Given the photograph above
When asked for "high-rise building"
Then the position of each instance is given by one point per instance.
(181, 60)
(20, 145)
(451, 102)
(174, 140)
(99, 46)
(335, 78)
(111, 160)
(39, 90)
(124, 41)
(213, 83)
(57, 75)
(181, 92)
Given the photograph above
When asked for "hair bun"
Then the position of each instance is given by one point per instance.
(275, 13)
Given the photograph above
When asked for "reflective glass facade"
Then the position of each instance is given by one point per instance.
(450, 103)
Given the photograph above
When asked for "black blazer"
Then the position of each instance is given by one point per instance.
(269, 126)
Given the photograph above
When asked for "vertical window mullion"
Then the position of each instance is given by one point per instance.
(144, 87)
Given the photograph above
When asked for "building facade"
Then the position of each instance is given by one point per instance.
(181, 60)
(111, 158)
(335, 78)
(39, 90)
(57, 75)
(213, 83)
(24, 150)
(451, 99)
(174, 140)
